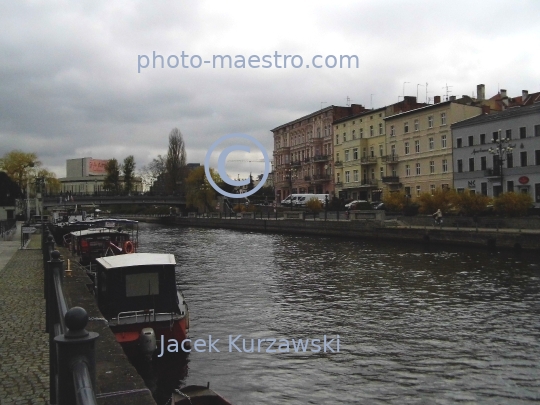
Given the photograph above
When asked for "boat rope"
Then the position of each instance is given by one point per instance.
(92, 318)
(182, 394)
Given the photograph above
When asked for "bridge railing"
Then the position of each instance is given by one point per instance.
(72, 364)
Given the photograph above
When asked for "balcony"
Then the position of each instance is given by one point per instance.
(307, 160)
(390, 159)
(339, 184)
(338, 163)
(369, 160)
(369, 183)
(391, 179)
(319, 178)
(296, 163)
(493, 173)
(321, 158)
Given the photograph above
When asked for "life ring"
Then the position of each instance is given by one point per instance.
(128, 247)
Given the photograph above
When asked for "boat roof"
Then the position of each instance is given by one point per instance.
(136, 259)
(93, 231)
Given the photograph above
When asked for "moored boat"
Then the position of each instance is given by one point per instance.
(138, 295)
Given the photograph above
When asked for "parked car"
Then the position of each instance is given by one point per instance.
(378, 206)
(351, 205)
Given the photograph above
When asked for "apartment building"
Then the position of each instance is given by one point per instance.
(420, 144)
(513, 135)
(303, 152)
(361, 159)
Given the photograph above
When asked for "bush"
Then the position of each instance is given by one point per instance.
(395, 202)
(470, 204)
(439, 200)
(314, 205)
(512, 204)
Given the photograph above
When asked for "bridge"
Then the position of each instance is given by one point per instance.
(57, 201)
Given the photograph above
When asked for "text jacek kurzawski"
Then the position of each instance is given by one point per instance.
(238, 344)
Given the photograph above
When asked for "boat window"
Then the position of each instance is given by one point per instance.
(142, 284)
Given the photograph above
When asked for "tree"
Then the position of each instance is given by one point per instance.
(512, 204)
(314, 204)
(129, 170)
(395, 202)
(52, 184)
(470, 204)
(112, 178)
(16, 164)
(199, 192)
(176, 161)
(440, 199)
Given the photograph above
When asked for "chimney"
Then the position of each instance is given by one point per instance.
(452, 98)
(437, 99)
(503, 93)
(524, 95)
(481, 92)
(485, 109)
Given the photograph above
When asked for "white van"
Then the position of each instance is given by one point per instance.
(300, 200)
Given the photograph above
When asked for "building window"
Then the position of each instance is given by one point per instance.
(406, 148)
(361, 132)
(471, 164)
(510, 160)
(443, 141)
(346, 155)
(522, 132)
(344, 137)
(347, 176)
(523, 158)
(510, 186)
(418, 190)
(382, 172)
(460, 166)
(407, 170)
(483, 163)
(381, 150)
(392, 131)
(353, 134)
(355, 153)
(431, 144)
(416, 125)
(372, 174)
(337, 139)
(355, 175)
(537, 157)
(430, 121)
(338, 178)
(406, 127)
(418, 169)
(372, 151)
(445, 166)
(431, 166)
(417, 146)
(443, 118)
(432, 189)
(508, 134)
(459, 143)
(380, 129)
(495, 136)
(537, 130)
(483, 188)
(393, 150)
(371, 133)
(471, 140)
(482, 139)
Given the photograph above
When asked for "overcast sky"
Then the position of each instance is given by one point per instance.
(70, 87)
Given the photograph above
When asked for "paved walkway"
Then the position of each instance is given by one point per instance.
(24, 364)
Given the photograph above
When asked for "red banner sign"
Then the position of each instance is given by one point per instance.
(523, 180)
(96, 166)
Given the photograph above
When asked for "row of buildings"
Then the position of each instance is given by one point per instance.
(357, 153)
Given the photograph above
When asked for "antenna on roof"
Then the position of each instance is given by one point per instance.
(372, 101)
(348, 101)
(447, 87)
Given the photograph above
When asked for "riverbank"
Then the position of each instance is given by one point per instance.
(501, 238)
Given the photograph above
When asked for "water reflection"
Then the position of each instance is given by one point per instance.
(417, 324)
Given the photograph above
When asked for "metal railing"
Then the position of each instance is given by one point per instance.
(72, 363)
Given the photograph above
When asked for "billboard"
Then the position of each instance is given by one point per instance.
(97, 166)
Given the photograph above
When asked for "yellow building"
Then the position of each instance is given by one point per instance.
(360, 153)
(419, 143)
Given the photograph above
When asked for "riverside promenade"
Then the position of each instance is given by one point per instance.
(24, 346)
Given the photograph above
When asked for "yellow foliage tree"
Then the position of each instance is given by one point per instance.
(395, 202)
(440, 199)
(314, 205)
(470, 204)
(512, 204)
(20, 166)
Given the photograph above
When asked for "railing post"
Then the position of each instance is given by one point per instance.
(74, 347)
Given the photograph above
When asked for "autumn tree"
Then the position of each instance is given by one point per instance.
(16, 164)
(112, 178)
(52, 184)
(395, 202)
(176, 161)
(512, 204)
(470, 204)
(129, 173)
(199, 192)
(440, 199)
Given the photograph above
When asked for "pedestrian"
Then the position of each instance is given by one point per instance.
(437, 216)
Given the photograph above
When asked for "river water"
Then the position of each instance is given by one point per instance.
(415, 325)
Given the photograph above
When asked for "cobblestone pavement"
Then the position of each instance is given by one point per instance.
(24, 356)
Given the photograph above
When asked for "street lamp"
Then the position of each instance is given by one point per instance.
(501, 149)
(290, 174)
